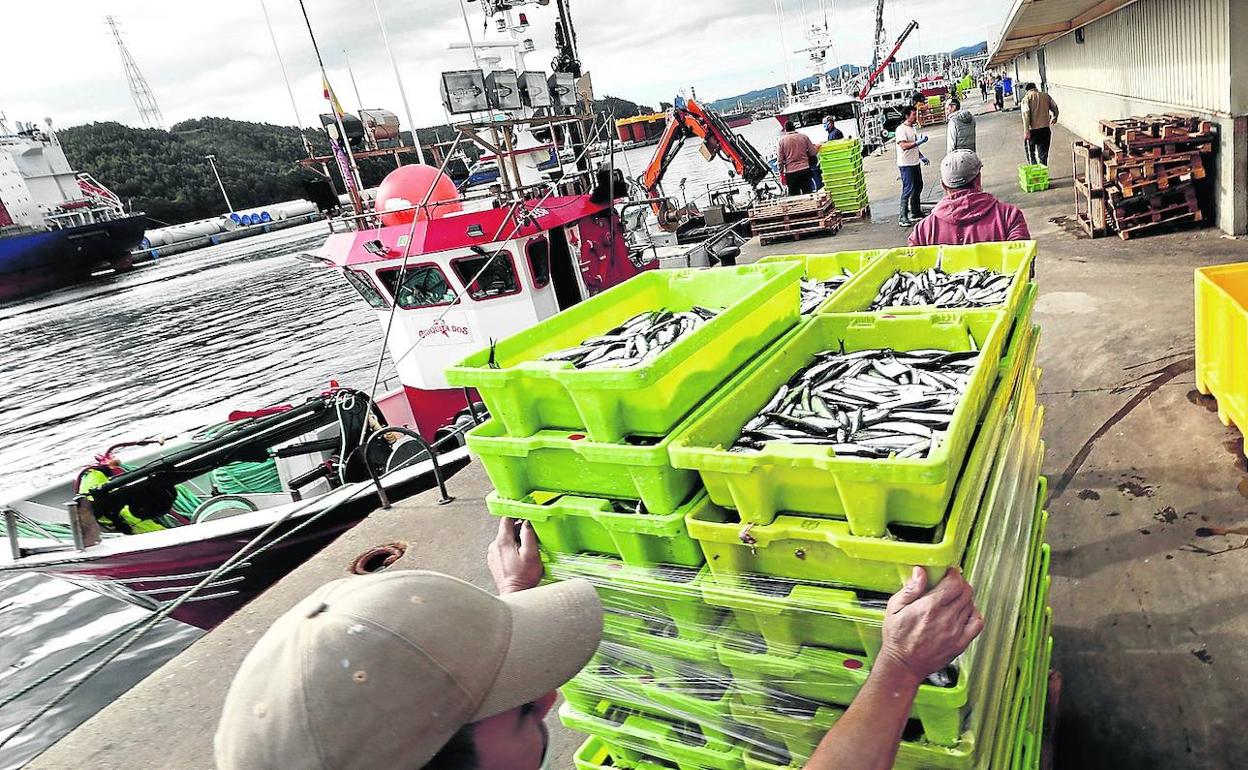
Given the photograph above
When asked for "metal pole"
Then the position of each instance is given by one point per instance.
(407, 109)
(370, 142)
(289, 91)
(212, 161)
(356, 204)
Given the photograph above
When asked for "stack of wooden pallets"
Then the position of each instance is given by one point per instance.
(1150, 165)
(794, 218)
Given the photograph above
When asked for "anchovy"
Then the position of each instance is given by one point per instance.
(639, 339)
(816, 292)
(872, 404)
(976, 287)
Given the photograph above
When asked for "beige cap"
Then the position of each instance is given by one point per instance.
(381, 670)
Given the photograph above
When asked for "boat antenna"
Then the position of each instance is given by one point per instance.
(351, 73)
(407, 109)
(784, 46)
(472, 46)
(294, 107)
(353, 184)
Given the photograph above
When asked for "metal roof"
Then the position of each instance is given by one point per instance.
(1033, 23)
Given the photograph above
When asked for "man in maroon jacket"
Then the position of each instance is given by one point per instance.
(967, 214)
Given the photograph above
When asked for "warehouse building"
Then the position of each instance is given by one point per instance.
(1109, 59)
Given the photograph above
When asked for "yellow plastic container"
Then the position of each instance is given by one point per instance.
(1222, 340)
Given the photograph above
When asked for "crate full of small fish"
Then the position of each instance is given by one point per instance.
(637, 358)
(825, 273)
(803, 548)
(927, 278)
(856, 416)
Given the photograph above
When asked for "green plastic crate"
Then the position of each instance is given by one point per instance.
(527, 394)
(663, 689)
(663, 639)
(558, 460)
(597, 754)
(809, 479)
(662, 594)
(1014, 258)
(655, 736)
(833, 677)
(1033, 178)
(1022, 331)
(821, 267)
(573, 524)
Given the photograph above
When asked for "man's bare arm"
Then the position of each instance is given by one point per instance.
(923, 633)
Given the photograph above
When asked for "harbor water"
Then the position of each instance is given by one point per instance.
(154, 352)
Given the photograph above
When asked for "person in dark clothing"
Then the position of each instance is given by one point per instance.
(1039, 112)
(998, 89)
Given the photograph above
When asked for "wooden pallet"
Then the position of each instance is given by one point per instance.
(794, 204)
(1090, 210)
(1169, 207)
(864, 214)
(830, 224)
(1150, 130)
(1089, 165)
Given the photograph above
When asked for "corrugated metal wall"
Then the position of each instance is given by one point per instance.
(1173, 52)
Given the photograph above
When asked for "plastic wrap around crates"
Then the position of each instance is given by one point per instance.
(716, 703)
(799, 548)
(1015, 258)
(822, 267)
(527, 394)
(1221, 339)
(567, 523)
(811, 479)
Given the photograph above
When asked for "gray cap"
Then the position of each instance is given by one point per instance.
(959, 169)
(381, 670)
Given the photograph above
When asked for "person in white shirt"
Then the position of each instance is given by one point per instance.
(908, 160)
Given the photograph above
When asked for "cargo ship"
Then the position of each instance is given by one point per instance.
(57, 226)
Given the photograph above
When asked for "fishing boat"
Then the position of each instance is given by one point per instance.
(275, 486)
(57, 226)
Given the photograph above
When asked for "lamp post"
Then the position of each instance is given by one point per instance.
(212, 161)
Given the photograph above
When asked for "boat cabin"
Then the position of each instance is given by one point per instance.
(456, 281)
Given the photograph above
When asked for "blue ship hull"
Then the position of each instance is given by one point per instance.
(35, 262)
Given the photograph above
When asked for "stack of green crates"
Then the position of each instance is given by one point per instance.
(744, 592)
(840, 163)
(1033, 177)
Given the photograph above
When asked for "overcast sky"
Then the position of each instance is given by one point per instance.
(215, 58)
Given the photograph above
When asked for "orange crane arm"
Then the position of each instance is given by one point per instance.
(693, 119)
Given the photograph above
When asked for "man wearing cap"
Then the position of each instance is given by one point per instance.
(967, 214)
(417, 670)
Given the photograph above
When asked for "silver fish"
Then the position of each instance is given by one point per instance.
(872, 403)
(816, 292)
(976, 287)
(638, 340)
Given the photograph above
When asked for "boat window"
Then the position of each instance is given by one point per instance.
(423, 286)
(497, 279)
(539, 261)
(361, 283)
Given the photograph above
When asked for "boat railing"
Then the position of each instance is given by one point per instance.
(13, 517)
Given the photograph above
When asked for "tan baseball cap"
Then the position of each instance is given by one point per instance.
(381, 670)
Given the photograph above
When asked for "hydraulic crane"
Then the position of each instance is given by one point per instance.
(879, 68)
(690, 118)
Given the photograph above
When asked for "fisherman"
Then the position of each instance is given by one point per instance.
(794, 157)
(998, 89)
(961, 127)
(125, 520)
(967, 214)
(417, 669)
(829, 125)
(1038, 106)
(908, 160)
(983, 88)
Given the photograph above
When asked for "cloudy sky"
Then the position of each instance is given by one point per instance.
(215, 58)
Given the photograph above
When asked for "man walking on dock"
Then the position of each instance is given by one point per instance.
(908, 159)
(1038, 106)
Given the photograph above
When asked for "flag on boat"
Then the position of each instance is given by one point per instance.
(329, 95)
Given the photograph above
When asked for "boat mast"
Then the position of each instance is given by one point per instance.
(307, 145)
(353, 184)
(407, 108)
